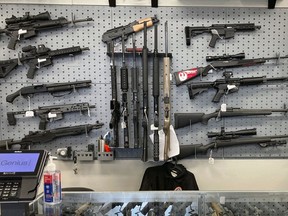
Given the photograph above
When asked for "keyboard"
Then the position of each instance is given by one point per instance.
(9, 189)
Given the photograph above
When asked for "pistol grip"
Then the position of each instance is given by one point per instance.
(31, 71)
(12, 42)
(218, 95)
(213, 40)
(11, 118)
(42, 124)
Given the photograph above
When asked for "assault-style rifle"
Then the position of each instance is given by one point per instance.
(48, 113)
(189, 74)
(229, 85)
(265, 141)
(127, 30)
(49, 135)
(186, 119)
(50, 88)
(218, 31)
(37, 58)
(25, 27)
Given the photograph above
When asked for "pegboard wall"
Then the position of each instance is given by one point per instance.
(94, 65)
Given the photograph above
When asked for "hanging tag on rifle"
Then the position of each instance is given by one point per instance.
(123, 125)
(29, 112)
(223, 107)
(52, 115)
(152, 127)
(211, 159)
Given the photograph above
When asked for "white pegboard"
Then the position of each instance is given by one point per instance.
(94, 65)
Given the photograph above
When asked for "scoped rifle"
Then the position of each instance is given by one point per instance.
(186, 119)
(189, 74)
(50, 113)
(127, 30)
(114, 103)
(50, 88)
(224, 135)
(218, 31)
(166, 93)
(49, 135)
(124, 88)
(37, 58)
(25, 27)
(265, 141)
(229, 85)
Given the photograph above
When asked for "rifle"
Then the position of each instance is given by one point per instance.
(218, 31)
(135, 83)
(145, 95)
(224, 135)
(37, 58)
(189, 74)
(114, 103)
(265, 141)
(229, 85)
(25, 27)
(186, 119)
(124, 88)
(48, 113)
(166, 93)
(127, 30)
(156, 94)
(51, 88)
(49, 135)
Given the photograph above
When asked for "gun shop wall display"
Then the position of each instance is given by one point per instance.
(79, 66)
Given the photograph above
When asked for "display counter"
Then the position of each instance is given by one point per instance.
(165, 203)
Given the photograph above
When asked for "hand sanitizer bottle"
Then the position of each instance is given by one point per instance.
(52, 183)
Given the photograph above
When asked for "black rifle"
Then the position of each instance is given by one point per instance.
(265, 141)
(51, 88)
(229, 85)
(224, 135)
(189, 74)
(114, 103)
(135, 83)
(156, 89)
(218, 31)
(124, 88)
(25, 27)
(37, 58)
(127, 30)
(48, 113)
(49, 135)
(186, 119)
(145, 95)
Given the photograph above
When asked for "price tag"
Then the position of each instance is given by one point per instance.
(41, 60)
(123, 125)
(211, 159)
(52, 115)
(21, 31)
(222, 200)
(29, 113)
(223, 107)
(152, 127)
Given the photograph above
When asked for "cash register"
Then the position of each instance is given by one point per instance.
(20, 175)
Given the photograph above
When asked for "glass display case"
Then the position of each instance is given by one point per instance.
(173, 203)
